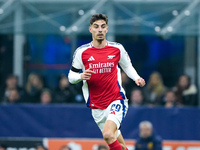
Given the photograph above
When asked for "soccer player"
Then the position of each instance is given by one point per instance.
(101, 78)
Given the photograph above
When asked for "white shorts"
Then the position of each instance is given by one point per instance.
(115, 112)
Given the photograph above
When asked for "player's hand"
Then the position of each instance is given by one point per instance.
(86, 75)
(140, 82)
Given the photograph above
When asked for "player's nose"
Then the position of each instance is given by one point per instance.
(100, 29)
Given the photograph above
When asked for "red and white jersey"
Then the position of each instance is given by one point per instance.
(104, 86)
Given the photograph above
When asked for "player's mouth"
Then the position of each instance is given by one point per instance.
(99, 34)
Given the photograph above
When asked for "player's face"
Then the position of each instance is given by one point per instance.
(99, 29)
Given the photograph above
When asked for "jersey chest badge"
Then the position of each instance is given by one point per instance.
(111, 56)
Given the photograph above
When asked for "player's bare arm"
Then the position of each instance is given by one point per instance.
(86, 75)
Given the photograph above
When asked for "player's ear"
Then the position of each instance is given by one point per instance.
(90, 29)
(106, 29)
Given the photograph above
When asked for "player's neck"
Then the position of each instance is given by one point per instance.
(99, 44)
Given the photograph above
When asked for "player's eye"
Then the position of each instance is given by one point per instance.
(95, 26)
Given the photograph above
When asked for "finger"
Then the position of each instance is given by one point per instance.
(139, 83)
(141, 80)
(142, 84)
(86, 77)
(88, 74)
(89, 71)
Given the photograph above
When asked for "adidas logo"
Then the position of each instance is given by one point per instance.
(113, 112)
(91, 58)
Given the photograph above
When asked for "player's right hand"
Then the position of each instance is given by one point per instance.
(86, 75)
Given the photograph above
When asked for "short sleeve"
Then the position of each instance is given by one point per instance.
(77, 61)
(124, 58)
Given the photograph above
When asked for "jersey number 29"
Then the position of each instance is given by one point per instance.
(115, 107)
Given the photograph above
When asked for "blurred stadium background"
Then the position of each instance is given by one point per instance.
(40, 36)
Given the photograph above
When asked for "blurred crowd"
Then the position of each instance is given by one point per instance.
(155, 93)
(35, 91)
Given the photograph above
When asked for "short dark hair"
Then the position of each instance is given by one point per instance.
(96, 17)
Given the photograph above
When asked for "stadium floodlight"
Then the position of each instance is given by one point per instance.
(81, 12)
(175, 12)
(187, 12)
(157, 29)
(62, 28)
(174, 22)
(74, 28)
(170, 29)
(83, 18)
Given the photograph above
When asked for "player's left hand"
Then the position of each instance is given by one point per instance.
(140, 82)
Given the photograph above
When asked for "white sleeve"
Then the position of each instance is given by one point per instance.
(74, 77)
(77, 61)
(131, 72)
(126, 64)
